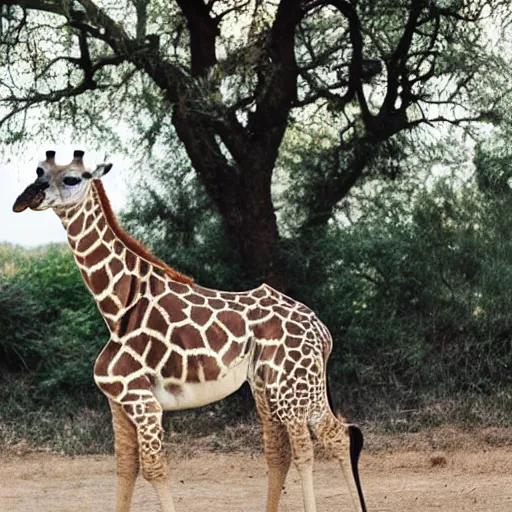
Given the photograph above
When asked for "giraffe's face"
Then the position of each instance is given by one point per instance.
(58, 186)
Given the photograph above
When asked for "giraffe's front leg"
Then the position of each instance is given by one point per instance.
(146, 414)
(127, 456)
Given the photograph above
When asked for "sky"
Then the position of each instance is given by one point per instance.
(30, 228)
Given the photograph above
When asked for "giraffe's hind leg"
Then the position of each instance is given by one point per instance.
(277, 453)
(344, 441)
(127, 456)
(302, 454)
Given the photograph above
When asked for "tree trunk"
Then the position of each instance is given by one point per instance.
(242, 193)
(255, 229)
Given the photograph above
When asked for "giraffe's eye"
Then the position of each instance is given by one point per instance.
(70, 180)
(40, 172)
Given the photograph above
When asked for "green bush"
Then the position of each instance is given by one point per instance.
(417, 299)
(50, 327)
(19, 314)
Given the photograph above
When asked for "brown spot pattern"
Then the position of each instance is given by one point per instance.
(232, 353)
(208, 365)
(157, 322)
(115, 266)
(256, 314)
(139, 383)
(293, 342)
(216, 303)
(118, 247)
(138, 343)
(288, 366)
(99, 254)
(187, 337)
(125, 365)
(86, 241)
(88, 222)
(98, 280)
(156, 286)
(76, 227)
(156, 353)
(216, 337)
(111, 388)
(281, 311)
(200, 315)
(131, 397)
(267, 353)
(233, 321)
(294, 328)
(173, 366)
(295, 354)
(122, 288)
(272, 329)
(108, 236)
(143, 268)
(106, 355)
(130, 261)
(195, 299)
(133, 317)
(205, 291)
(108, 306)
(178, 287)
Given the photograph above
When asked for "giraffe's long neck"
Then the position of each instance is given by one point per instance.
(113, 272)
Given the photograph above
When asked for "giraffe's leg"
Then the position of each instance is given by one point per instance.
(146, 414)
(127, 456)
(278, 455)
(277, 452)
(345, 442)
(302, 453)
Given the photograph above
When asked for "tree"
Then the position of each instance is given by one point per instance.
(232, 76)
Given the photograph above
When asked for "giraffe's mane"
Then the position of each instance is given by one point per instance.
(131, 243)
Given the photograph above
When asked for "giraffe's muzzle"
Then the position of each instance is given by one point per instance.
(31, 197)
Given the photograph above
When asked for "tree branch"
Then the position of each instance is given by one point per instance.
(277, 85)
(396, 64)
(52, 97)
(203, 32)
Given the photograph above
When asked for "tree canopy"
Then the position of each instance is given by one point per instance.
(360, 83)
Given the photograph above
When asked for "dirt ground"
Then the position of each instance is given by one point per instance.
(419, 480)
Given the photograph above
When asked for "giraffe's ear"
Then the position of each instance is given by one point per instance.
(100, 171)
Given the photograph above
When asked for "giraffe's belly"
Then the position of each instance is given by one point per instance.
(195, 394)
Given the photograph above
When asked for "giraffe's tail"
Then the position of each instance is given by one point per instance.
(356, 446)
(345, 441)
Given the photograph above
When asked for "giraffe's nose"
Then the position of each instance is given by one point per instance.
(31, 197)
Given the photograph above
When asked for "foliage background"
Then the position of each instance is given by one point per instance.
(415, 292)
(352, 153)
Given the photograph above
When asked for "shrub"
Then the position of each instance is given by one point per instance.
(50, 327)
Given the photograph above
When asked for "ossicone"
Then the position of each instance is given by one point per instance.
(50, 157)
(78, 156)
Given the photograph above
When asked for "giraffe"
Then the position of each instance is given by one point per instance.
(176, 345)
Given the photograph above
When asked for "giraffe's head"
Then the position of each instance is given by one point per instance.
(59, 186)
